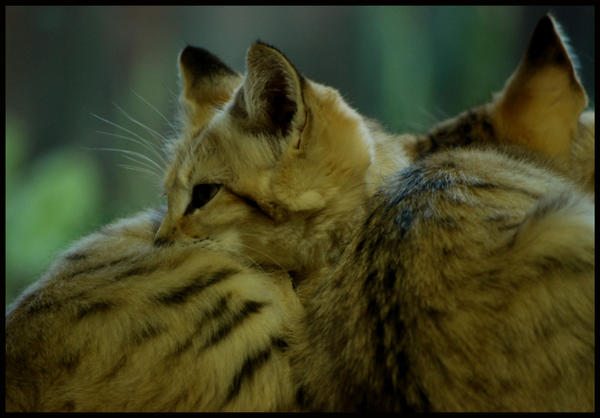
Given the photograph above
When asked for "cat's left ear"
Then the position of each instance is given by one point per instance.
(541, 102)
(206, 84)
(271, 98)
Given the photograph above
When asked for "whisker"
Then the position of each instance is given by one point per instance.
(140, 170)
(142, 163)
(262, 253)
(129, 152)
(434, 119)
(154, 109)
(442, 115)
(124, 129)
(132, 140)
(155, 148)
(132, 119)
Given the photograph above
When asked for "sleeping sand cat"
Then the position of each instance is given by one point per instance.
(281, 175)
(470, 284)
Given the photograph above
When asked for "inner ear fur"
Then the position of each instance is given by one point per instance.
(541, 102)
(206, 84)
(271, 98)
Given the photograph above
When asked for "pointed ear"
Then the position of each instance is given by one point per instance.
(206, 83)
(271, 98)
(543, 99)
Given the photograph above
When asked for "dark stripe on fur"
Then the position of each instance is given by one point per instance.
(219, 309)
(93, 308)
(44, 306)
(250, 366)
(137, 271)
(119, 365)
(182, 294)
(95, 268)
(69, 361)
(476, 184)
(147, 332)
(249, 308)
(279, 343)
(75, 256)
(182, 347)
(301, 398)
(571, 264)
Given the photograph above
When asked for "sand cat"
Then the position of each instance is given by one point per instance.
(273, 173)
(469, 285)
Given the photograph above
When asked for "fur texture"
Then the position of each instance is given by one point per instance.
(470, 283)
(447, 271)
(118, 324)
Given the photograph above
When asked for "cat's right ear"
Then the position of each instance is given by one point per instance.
(206, 84)
(271, 98)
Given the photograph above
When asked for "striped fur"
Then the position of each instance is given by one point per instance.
(469, 285)
(141, 328)
(447, 271)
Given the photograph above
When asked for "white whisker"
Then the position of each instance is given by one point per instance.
(129, 152)
(153, 108)
(140, 170)
(128, 131)
(262, 253)
(132, 140)
(142, 163)
(132, 119)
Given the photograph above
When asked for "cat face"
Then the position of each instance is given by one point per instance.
(275, 171)
(276, 167)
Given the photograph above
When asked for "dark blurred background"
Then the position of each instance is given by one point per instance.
(406, 66)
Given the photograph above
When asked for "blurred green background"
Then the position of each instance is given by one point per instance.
(406, 66)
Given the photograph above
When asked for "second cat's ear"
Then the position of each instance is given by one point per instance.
(271, 98)
(541, 102)
(206, 83)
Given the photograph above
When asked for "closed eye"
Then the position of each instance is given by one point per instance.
(201, 195)
(254, 205)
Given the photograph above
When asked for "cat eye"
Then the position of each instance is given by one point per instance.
(201, 195)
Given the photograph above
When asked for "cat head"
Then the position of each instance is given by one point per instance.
(270, 163)
(276, 166)
(538, 109)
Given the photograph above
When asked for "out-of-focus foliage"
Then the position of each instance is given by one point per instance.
(65, 184)
(405, 66)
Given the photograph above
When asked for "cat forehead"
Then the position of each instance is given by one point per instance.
(221, 151)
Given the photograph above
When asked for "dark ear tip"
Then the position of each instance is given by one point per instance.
(545, 44)
(201, 62)
(545, 25)
(260, 44)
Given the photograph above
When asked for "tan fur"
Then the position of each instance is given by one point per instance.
(99, 333)
(309, 184)
(304, 184)
(469, 285)
(541, 103)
